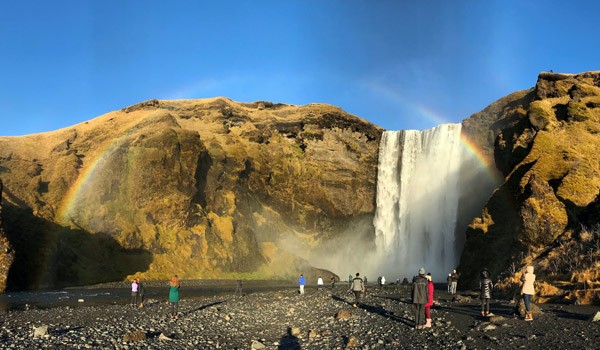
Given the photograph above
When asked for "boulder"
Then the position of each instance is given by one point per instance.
(520, 309)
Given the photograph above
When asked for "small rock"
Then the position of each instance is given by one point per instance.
(343, 315)
(595, 317)
(162, 336)
(256, 345)
(489, 327)
(496, 319)
(295, 331)
(39, 332)
(352, 342)
(312, 334)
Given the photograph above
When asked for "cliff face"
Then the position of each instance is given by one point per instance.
(546, 213)
(6, 253)
(201, 188)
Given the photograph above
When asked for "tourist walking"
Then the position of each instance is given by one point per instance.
(379, 282)
(332, 282)
(358, 287)
(419, 297)
(134, 293)
(301, 283)
(174, 296)
(382, 281)
(485, 292)
(454, 282)
(528, 290)
(141, 291)
(429, 304)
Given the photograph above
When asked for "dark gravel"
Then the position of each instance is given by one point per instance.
(282, 319)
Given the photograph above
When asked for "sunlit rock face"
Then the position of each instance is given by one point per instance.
(198, 188)
(546, 212)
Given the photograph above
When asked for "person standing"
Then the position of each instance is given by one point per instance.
(141, 291)
(134, 293)
(528, 290)
(238, 288)
(485, 293)
(382, 281)
(454, 282)
(174, 296)
(429, 303)
(358, 287)
(379, 282)
(332, 282)
(349, 280)
(419, 297)
(301, 283)
(449, 281)
(319, 283)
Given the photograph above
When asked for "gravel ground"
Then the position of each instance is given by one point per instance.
(283, 319)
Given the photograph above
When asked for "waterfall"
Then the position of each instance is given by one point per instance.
(418, 192)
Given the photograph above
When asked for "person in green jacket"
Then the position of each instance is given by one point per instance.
(174, 296)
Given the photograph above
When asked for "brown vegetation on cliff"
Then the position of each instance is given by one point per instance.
(547, 150)
(202, 188)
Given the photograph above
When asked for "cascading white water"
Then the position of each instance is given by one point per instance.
(418, 194)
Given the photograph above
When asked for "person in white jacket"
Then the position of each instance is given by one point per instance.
(528, 290)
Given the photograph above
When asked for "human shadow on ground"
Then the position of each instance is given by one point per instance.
(376, 310)
(569, 315)
(63, 331)
(289, 341)
(201, 307)
(399, 299)
(474, 310)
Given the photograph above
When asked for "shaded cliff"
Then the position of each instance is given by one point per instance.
(6, 252)
(546, 212)
(201, 188)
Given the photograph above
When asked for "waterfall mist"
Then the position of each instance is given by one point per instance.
(418, 195)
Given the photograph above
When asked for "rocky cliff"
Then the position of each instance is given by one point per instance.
(6, 252)
(200, 188)
(546, 213)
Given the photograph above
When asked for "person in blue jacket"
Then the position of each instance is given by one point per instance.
(301, 282)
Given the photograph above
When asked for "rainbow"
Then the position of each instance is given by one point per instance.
(65, 209)
(436, 119)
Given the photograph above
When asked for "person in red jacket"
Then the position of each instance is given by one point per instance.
(429, 301)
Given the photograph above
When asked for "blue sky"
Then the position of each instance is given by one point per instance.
(399, 64)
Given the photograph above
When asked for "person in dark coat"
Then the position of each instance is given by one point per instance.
(419, 297)
(485, 292)
(141, 291)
